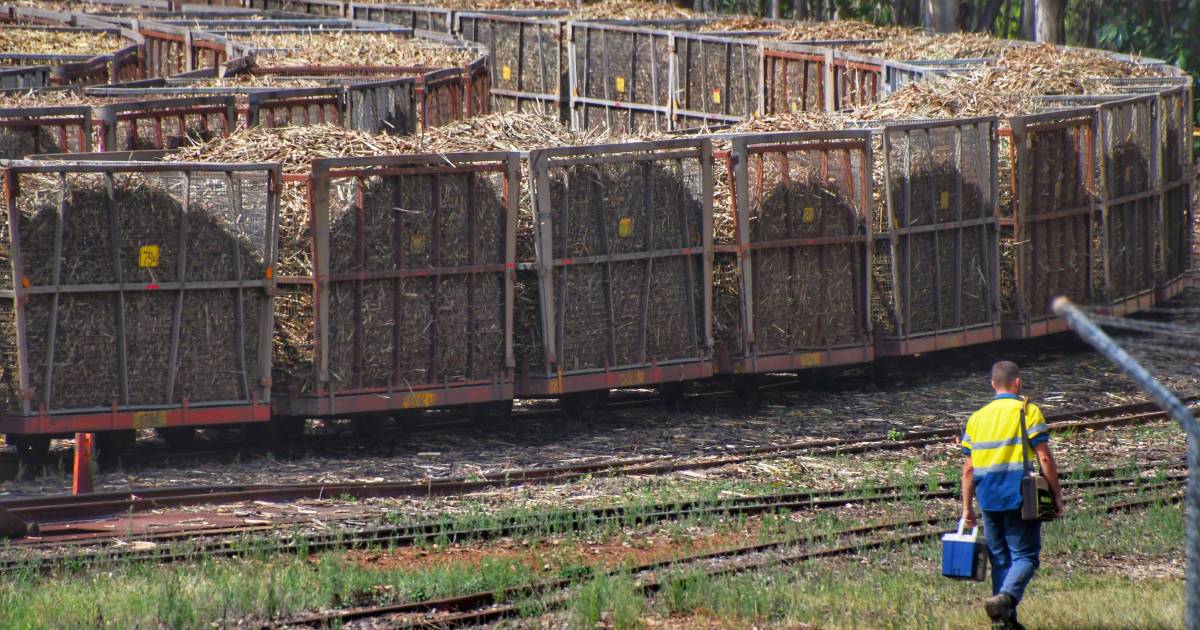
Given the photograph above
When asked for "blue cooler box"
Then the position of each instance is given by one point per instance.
(964, 556)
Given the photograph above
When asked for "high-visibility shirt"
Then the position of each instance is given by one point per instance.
(993, 442)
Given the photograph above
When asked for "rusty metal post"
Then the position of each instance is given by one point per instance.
(82, 482)
(1091, 333)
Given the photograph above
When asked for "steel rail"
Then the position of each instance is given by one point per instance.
(572, 520)
(486, 607)
(64, 508)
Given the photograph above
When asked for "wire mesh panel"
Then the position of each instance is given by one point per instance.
(383, 106)
(527, 70)
(620, 77)
(418, 18)
(804, 234)
(1177, 172)
(414, 281)
(166, 123)
(24, 77)
(717, 79)
(32, 130)
(478, 87)
(898, 74)
(1129, 196)
(297, 107)
(131, 287)
(794, 78)
(623, 256)
(936, 273)
(330, 8)
(1047, 246)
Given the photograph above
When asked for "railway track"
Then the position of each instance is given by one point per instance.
(434, 422)
(487, 607)
(562, 520)
(60, 508)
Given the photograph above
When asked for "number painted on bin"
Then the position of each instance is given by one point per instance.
(416, 400)
(621, 84)
(944, 200)
(148, 256)
(416, 243)
(149, 419)
(810, 214)
(810, 359)
(625, 227)
(631, 379)
(506, 73)
(716, 96)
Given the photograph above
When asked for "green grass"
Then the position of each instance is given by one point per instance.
(190, 596)
(900, 589)
(899, 585)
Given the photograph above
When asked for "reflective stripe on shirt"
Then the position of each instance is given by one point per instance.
(993, 441)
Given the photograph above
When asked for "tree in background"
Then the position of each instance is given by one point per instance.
(1163, 29)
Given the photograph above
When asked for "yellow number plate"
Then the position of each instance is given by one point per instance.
(621, 84)
(810, 214)
(506, 73)
(148, 256)
(625, 227)
(149, 419)
(417, 243)
(417, 400)
(716, 96)
(944, 200)
(810, 359)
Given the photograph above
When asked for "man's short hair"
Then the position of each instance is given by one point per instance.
(1004, 373)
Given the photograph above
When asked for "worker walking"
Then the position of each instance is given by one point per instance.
(999, 442)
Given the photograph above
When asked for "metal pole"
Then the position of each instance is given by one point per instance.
(1091, 333)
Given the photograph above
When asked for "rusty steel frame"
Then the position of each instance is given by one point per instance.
(64, 121)
(170, 50)
(829, 145)
(110, 118)
(441, 95)
(120, 414)
(581, 98)
(857, 80)
(325, 400)
(537, 37)
(556, 380)
(778, 61)
(904, 342)
(416, 17)
(277, 108)
(1069, 229)
(726, 66)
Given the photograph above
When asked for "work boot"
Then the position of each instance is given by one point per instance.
(999, 609)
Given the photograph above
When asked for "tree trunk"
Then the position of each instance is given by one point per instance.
(1050, 14)
(800, 9)
(940, 15)
(987, 17)
(1028, 17)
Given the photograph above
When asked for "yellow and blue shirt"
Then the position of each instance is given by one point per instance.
(993, 442)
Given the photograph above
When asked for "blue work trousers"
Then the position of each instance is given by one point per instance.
(1013, 545)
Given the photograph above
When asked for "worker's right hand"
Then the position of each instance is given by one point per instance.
(968, 517)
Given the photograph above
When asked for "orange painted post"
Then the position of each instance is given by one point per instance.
(83, 463)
